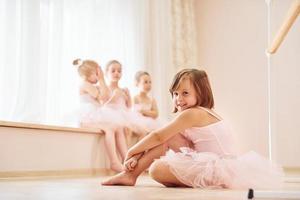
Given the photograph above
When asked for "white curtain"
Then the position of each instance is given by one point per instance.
(40, 38)
(184, 34)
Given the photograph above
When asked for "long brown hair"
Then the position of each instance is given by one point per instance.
(200, 81)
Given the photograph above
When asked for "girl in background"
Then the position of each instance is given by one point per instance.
(98, 111)
(144, 105)
(135, 121)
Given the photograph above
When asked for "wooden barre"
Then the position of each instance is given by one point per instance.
(292, 15)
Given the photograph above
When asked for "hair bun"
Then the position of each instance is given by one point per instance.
(77, 62)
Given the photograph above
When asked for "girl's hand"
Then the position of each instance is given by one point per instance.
(126, 92)
(130, 164)
(127, 97)
(128, 155)
(143, 112)
(117, 93)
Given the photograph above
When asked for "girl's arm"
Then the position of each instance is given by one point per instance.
(186, 119)
(115, 95)
(100, 92)
(92, 90)
(132, 162)
(153, 113)
(135, 100)
(128, 98)
(103, 88)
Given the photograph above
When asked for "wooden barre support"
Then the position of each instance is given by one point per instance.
(292, 15)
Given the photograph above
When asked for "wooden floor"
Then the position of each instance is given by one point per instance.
(146, 189)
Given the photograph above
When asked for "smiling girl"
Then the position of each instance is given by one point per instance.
(196, 149)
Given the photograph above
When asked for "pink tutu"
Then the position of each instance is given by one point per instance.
(212, 162)
(104, 117)
(210, 170)
(141, 124)
(114, 115)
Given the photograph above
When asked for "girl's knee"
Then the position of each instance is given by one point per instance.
(109, 132)
(119, 130)
(178, 141)
(156, 169)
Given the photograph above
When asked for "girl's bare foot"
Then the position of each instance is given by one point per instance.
(123, 178)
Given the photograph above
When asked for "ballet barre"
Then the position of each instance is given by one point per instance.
(291, 16)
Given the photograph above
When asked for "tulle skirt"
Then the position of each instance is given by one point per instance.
(104, 117)
(141, 124)
(210, 170)
(113, 117)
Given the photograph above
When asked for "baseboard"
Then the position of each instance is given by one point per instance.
(72, 173)
(292, 171)
(292, 174)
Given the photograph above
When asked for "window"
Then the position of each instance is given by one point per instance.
(38, 82)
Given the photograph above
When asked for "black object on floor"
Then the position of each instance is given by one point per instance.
(250, 194)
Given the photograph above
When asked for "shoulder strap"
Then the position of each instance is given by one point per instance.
(210, 112)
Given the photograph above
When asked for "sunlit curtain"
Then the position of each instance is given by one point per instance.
(171, 44)
(184, 34)
(40, 38)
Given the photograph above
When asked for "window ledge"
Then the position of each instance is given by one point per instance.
(47, 127)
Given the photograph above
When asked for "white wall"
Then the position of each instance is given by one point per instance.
(232, 38)
(286, 85)
(47, 150)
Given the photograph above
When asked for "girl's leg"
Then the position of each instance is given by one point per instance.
(160, 172)
(178, 141)
(121, 142)
(141, 135)
(110, 145)
(137, 136)
(130, 177)
(128, 135)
